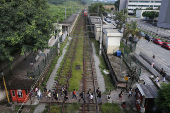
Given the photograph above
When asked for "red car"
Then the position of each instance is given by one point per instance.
(157, 41)
(166, 45)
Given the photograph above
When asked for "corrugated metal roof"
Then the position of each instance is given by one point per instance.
(148, 89)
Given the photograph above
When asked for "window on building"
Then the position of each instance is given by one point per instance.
(133, 1)
(143, 5)
(151, 5)
(144, 1)
(156, 5)
(152, 1)
(13, 93)
(157, 1)
(20, 94)
(133, 5)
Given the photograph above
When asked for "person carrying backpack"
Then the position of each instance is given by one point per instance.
(164, 75)
(74, 94)
(81, 96)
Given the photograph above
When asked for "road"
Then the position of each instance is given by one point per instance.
(148, 27)
(162, 55)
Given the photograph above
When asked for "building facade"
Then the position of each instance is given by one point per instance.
(164, 15)
(143, 4)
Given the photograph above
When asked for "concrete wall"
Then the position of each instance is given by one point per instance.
(123, 4)
(164, 15)
(72, 26)
(113, 44)
(2, 95)
(97, 32)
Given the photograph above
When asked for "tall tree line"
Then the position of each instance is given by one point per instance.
(25, 25)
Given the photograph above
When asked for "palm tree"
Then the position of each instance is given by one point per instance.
(131, 28)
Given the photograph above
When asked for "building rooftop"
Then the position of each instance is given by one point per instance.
(112, 32)
(21, 84)
(95, 19)
(149, 89)
(70, 19)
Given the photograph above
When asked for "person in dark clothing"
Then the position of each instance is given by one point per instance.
(62, 91)
(162, 71)
(100, 96)
(164, 75)
(97, 91)
(136, 90)
(81, 96)
(45, 90)
(89, 92)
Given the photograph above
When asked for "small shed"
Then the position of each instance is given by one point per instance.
(111, 40)
(19, 90)
(146, 95)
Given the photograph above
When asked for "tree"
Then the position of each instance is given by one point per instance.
(150, 14)
(117, 5)
(163, 99)
(121, 17)
(131, 28)
(25, 26)
(94, 8)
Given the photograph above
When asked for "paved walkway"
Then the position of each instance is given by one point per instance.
(40, 108)
(100, 78)
(51, 80)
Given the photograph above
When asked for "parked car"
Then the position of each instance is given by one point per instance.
(142, 34)
(166, 45)
(157, 41)
(117, 21)
(148, 37)
(108, 20)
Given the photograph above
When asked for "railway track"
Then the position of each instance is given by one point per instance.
(65, 74)
(89, 78)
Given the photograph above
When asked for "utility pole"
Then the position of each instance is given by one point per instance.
(101, 33)
(98, 11)
(72, 10)
(65, 12)
(5, 88)
(58, 39)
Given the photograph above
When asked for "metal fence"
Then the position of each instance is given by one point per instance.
(36, 72)
(131, 62)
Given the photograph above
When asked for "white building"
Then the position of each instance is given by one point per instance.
(143, 4)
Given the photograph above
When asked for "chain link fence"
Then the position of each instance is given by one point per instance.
(36, 72)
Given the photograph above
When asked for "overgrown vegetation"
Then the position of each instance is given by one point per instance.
(52, 66)
(110, 108)
(163, 99)
(72, 108)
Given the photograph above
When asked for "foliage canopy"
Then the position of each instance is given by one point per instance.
(25, 26)
(163, 99)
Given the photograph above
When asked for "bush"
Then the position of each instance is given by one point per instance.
(110, 108)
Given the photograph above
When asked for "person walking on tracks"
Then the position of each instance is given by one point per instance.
(97, 91)
(74, 94)
(81, 96)
(39, 94)
(62, 91)
(100, 96)
(45, 90)
(91, 97)
(89, 92)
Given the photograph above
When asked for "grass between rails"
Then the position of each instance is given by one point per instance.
(52, 66)
(110, 108)
(108, 81)
(77, 74)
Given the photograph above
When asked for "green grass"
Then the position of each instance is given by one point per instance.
(77, 74)
(72, 108)
(110, 108)
(55, 109)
